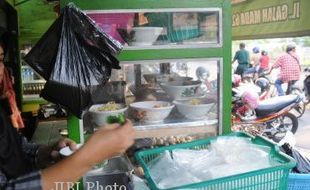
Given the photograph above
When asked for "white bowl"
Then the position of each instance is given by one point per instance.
(99, 118)
(147, 111)
(194, 112)
(181, 90)
(145, 35)
(160, 78)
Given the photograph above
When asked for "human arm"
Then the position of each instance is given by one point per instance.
(235, 57)
(107, 142)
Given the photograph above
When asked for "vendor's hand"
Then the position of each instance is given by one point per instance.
(61, 144)
(48, 155)
(17, 120)
(108, 141)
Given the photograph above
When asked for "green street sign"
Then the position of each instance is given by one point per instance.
(255, 19)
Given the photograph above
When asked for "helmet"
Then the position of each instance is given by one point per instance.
(236, 79)
(251, 98)
(290, 47)
(202, 73)
(264, 52)
(255, 50)
(263, 83)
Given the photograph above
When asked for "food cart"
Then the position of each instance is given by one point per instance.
(174, 52)
(175, 76)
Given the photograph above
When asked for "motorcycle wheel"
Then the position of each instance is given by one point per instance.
(300, 109)
(286, 122)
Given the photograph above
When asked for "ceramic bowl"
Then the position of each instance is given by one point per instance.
(181, 90)
(194, 109)
(151, 111)
(99, 118)
(160, 78)
(145, 35)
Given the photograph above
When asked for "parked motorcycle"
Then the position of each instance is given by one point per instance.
(269, 117)
(306, 87)
(268, 90)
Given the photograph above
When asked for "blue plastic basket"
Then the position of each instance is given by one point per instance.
(298, 181)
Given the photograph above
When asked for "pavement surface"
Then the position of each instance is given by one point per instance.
(303, 133)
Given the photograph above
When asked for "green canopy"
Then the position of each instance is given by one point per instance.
(254, 19)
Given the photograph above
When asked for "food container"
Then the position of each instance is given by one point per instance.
(99, 116)
(151, 111)
(196, 108)
(181, 90)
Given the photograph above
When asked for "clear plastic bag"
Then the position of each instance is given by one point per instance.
(225, 156)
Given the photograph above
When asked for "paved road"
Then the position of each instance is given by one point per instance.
(303, 133)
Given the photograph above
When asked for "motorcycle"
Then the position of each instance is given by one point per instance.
(306, 87)
(268, 90)
(270, 117)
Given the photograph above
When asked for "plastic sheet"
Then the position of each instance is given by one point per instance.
(75, 57)
(139, 184)
(303, 161)
(224, 157)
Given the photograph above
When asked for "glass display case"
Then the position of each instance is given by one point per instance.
(185, 90)
(174, 96)
(166, 28)
(176, 65)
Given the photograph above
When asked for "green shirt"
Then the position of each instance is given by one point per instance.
(242, 56)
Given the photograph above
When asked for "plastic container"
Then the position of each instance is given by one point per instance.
(298, 181)
(273, 178)
(110, 22)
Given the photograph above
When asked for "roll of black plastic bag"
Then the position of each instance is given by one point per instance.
(76, 58)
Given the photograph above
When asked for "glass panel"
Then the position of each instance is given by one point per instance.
(183, 92)
(151, 28)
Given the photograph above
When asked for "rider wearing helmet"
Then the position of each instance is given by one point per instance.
(255, 57)
(263, 84)
(254, 63)
(263, 62)
(202, 73)
(289, 65)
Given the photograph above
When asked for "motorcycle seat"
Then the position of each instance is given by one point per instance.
(275, 104)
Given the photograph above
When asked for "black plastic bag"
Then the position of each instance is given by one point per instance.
(303, 162)
(75, 57)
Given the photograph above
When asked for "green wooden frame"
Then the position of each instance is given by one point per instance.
(223, 52)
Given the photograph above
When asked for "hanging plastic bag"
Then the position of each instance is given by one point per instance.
(76, 58)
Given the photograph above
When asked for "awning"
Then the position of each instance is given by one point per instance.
(254, 19)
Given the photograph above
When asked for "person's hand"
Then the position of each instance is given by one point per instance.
(61, 144)
(17, 120)
(48, 155)
(108, 141)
